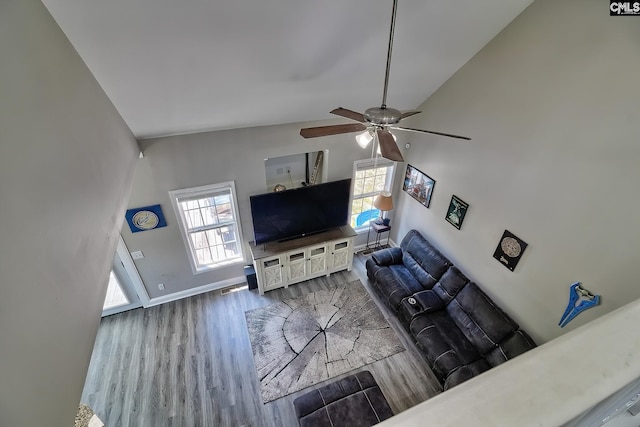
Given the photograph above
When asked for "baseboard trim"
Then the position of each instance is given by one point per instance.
(195, 291)
(360, 248)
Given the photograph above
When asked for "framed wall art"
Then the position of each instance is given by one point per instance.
(456, 212)
(419, 185)
(509, 250)
(145, 218)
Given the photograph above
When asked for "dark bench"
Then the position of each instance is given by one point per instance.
(353, 401)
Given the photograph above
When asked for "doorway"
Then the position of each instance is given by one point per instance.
(125, 290)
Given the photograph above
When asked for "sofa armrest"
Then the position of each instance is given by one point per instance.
(514, 345)
(465, 373)
(419, 303)
(428, 301)
(387, 256)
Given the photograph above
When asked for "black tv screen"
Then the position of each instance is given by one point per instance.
(301, 211)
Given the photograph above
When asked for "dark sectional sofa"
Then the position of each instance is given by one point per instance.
(459, 329)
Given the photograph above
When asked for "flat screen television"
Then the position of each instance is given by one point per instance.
(299, 212)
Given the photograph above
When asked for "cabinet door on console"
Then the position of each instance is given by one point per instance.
(317, 259)
(296, 265)
(340, 254)
(272, 276)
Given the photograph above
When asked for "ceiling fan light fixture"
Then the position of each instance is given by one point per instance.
(363, 139)
(376, 121)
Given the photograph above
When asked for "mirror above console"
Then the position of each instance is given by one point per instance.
(296, 170)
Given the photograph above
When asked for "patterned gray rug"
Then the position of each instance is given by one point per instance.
(303, 341)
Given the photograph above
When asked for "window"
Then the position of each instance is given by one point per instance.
(209, 224)
(370, 177)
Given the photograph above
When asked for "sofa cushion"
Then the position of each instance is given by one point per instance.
(420, 274)
(479, 319)
(408, 285)
(422, 259)
(512, 346)
(443, 344)
(392, 283)
(465, 373)
(450, 284)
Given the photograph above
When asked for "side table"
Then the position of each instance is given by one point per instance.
(378, 229)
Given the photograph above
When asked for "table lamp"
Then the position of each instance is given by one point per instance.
(383, 203)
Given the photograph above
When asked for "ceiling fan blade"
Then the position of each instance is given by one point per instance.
(388, 146)
(433, 132)
(349, 114)
(409, 114)
(331, 130)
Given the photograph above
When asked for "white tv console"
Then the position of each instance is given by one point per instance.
(280, 264)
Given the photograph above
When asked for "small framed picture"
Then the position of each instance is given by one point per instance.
(509, 250)
(419, 185)
(456, 212)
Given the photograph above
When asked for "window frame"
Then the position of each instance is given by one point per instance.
(365, 164)
(200, 193)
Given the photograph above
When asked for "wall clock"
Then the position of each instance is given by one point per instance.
(509, 250)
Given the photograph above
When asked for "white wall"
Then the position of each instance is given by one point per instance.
(554, 118)
(238, 155)
(66, 168)
(552, 106)
(276, 171)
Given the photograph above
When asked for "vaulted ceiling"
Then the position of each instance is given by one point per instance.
(173, 67)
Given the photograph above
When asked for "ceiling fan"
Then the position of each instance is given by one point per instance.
(376, 120)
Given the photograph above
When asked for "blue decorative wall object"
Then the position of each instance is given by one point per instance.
(580, 300)
(145, 218)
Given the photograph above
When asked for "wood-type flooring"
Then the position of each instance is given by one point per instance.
(189, 363)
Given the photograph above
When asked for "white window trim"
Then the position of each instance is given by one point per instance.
(365, 164)
(194, 192)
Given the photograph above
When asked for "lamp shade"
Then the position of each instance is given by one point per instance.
(383, 201)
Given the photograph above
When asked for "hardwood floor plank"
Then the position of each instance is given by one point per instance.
(189, 363)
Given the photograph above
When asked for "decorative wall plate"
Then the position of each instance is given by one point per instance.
(145, 218)
(509, 250)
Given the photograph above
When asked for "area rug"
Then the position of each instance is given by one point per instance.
(302, 341)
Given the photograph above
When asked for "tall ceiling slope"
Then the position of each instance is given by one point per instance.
(173, 67)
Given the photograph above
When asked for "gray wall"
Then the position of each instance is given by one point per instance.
(205, 158)
(66, 168)
(552, 106)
